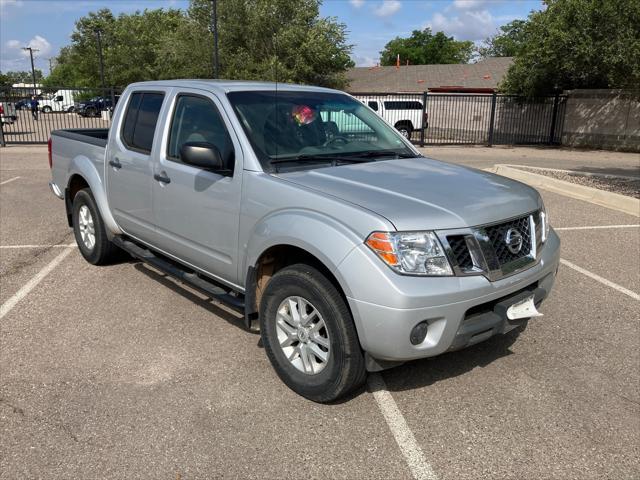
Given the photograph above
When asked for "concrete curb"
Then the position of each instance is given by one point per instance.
(611, 200)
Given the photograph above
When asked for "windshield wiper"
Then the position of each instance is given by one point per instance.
(322, 158)
(383, 153)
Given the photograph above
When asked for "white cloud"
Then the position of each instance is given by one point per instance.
(468, 4)
(387, 8)
(467, 25)
(356, 3)
(364, 61)
(37, 43)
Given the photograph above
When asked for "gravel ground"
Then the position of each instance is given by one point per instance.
(621, 185)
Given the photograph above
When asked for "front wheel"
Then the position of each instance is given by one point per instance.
(89, 230)
(309, 336)
(46, 109)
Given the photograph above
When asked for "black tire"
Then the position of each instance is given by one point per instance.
(103, 251)
(345, 366)
(91, 112)
(405, 130)
(46, 109)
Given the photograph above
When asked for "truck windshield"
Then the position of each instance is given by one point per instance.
(314, 128)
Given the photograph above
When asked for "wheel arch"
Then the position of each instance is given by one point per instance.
(275, 258)
(84, 174)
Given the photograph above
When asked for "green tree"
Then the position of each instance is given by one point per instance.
(508, 43)
(578, 44)
(425, 48)
(130, 47)
(12, 77)
(285, 40)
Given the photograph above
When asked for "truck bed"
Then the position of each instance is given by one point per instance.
(75, 150)
(94, 136)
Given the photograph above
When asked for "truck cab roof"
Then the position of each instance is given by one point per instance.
(226, 86)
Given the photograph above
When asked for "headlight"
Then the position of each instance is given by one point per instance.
(411, 253)
(544, 218)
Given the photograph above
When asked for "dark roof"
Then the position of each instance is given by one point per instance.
(483, 75)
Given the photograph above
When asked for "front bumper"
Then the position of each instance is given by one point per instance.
(386, 306)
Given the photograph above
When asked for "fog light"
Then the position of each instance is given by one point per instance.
(418, 333)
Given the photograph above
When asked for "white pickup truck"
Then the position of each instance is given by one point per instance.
(348, 249)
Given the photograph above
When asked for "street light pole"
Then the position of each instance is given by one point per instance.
(99, 38)
(33, 69)
(214, 29)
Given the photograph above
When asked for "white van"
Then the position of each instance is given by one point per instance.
(61, 101)
(405, 113)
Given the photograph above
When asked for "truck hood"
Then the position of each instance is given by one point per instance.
(423, 194)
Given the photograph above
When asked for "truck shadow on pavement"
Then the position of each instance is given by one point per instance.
(409, 376)
(422, 373)
(201, 300)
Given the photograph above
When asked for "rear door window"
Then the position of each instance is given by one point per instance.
(402, 105)
(140, 120)
(373, 106)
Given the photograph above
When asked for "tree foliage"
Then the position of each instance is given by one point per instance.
(258, 39)
(508, 43)
(578, 44)
(10, 77)
(425, 48)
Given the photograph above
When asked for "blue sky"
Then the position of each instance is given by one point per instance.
(46, 25)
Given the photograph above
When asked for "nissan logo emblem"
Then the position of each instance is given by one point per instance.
(513, 240)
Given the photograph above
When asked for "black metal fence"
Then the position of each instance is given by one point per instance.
(57, 108)
(463, 118)
(424, 118)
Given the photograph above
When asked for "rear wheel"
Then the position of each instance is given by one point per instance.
(405, 129)
(89, 230)
(309, 335)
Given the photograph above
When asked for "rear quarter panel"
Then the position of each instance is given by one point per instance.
(75, 157)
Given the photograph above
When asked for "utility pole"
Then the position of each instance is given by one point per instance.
(214, 29)
(99, 39)
(33, 69)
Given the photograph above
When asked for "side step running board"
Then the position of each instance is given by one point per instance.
(170, 268)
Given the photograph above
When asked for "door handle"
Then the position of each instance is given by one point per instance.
(115, 163)
(162, 178)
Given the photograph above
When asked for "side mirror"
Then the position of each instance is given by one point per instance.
(204, 155)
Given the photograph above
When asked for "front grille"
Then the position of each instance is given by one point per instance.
(497, 234)
(484, 249)
(460, 251)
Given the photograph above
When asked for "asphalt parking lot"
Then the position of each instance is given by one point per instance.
(118, 372)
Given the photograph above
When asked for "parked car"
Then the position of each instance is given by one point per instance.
(8, 113)
(24, 103)
(94, 107)
(351, 254)
(60, 101)
(406, 114)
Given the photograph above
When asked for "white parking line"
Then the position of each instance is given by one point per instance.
(38, 246)
(595, 227)
(31, 284)
(10, 180)
(409, 447)
(598, 278)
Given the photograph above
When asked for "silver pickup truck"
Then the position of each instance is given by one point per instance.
(349, 250)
